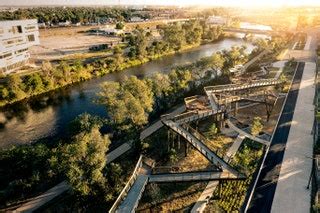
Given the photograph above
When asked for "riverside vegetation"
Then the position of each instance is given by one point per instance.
(141, 48)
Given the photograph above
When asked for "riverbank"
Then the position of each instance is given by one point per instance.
(88, 75)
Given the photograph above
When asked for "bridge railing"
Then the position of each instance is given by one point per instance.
(204, 140)
(199, 167)
(232, 87)
(127, 187)
(193, 176)
(202, 148)
(194, 115)
(233, 126)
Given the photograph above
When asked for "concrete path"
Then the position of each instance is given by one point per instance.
(262, 197)
(44, 198)
(132, 199)
(157, 125)
(118, 152)
(281, 186)
(297, 161)
(252, 61)
(248, 135)
(235, 146)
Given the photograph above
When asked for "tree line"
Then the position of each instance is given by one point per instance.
(55, 15)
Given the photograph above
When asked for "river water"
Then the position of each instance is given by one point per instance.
(47, 116)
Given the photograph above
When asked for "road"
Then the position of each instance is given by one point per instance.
(267, 182)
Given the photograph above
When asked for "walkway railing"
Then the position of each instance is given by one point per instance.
(194, 115)
(203, 139)
(127, 187)
(194, 176)
(233, 87)
(211, 156)
(240, 131)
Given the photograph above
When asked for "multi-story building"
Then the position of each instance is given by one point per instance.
(15, 39)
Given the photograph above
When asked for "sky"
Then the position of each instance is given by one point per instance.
(243, 3)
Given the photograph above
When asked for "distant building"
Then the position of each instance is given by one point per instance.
(107, 30)
(217, 20)
(76, 24)
(64, 24)
(15, 39)
(136, 19)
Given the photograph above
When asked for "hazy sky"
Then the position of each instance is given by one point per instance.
(164, 2)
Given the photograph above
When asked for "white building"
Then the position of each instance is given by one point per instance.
(15, 39)
(136, 19)
(64, 24)
(217, 20)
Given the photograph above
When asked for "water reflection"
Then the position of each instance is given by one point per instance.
(48, 115)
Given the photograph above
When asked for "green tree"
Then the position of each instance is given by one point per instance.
(141, 91)
(128, 103)
(138, 42)
(217, 61)
(85, 123)
(173, 157)
(15, 87)
(192, 32)
(213, 129)
(119, 25)
(85, 160)
(173, 35)
(256, 126)
(180, 79)
(118, 56)
(34, 83)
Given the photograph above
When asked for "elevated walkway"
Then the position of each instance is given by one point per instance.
(131, 201)
(193, 176)
(194, 115)
(236, 87)
(201, 147)
(251, 31)
(129, 197)
(246, 134)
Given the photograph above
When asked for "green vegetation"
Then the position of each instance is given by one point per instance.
(27, 170)
(256, 126)
(170, 197)
(233, 192)
(83, 15)
(287, 74)
(128, 103)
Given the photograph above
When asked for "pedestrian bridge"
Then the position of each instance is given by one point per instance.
(194, 176)
(251, 31)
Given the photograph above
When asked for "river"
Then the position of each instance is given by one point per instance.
(47, 116)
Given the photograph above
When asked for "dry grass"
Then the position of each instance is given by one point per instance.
(215, 142)
(173, 197)
(246, 115)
